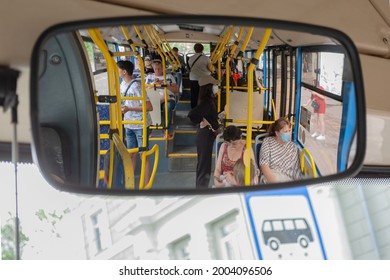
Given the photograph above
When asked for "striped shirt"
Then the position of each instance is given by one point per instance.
(170, 80)
(281, 157)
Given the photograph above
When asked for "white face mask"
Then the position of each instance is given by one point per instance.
(215, 89)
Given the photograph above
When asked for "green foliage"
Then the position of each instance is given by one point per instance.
(51, 219)
(8, 231)
(8, 234)
(89, 48)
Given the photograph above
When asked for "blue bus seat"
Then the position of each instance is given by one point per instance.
(258, 141)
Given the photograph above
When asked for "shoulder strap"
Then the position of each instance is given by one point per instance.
(132, 81)
(195, 61)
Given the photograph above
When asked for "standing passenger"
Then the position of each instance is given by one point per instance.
(205, 113)
(132, 110)
(179, 73)
(199, 66)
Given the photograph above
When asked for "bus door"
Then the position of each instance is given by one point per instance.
(326, 121)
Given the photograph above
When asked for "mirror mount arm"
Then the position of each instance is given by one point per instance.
(9, 98)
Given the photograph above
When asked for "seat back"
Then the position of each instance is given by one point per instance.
(258, 141)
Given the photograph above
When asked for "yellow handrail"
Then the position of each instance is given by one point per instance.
(227, 66)
(165, 82)
(113, 89)
(127, 162)
(273, 108)
(220, 48)
(242, 49)
(155, 149)
(151, 32)
(144, 94)
(250, 104)
(165, 49)
(170, 51)
(219, 87)
(313, 166)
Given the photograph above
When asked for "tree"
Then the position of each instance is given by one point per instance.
(51, 219)
(8, 244)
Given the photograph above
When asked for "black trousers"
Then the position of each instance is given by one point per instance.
(204, 145)
(194, 93)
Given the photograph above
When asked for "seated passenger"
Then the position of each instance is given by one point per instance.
(172, 88)
(279, 157)
(231, 150)
(239, 173)
(148, 66)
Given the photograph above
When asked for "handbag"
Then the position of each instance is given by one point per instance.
(315, 105)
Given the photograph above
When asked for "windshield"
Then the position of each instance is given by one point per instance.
(339, 220)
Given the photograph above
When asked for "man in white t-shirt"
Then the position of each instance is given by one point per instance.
(172, 89)
(132, 110)
(199, 66)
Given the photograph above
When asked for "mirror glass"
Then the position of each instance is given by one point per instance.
(193, 104)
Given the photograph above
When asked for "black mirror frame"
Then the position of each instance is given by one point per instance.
(350, 49)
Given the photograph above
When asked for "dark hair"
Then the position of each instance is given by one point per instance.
(198, 48)
(126, 65)
(277, 126)
(232, 133)
(175, 49)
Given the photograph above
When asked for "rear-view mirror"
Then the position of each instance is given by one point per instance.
(276, 104)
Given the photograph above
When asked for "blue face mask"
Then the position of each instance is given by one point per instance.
(285, 137)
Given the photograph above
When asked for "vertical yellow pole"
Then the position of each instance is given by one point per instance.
(247, 155)
(113, 89)
(227, 67)
(144, 112)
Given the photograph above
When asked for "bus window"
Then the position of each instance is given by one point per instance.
(288, 225)
(331, 72)
(267, 226)
(321, 107)
(324, 121)
(300, 224)
(277, 225)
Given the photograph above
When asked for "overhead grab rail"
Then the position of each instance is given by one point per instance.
(227, 64)
(165, 49)
(151, 32)
(221, 46)
(242, 49)
(139, 34)
(169, 50)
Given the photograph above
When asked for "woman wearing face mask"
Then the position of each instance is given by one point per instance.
(279, 157)
(205, 114)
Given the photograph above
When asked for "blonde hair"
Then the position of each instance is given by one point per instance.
(239, 172)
